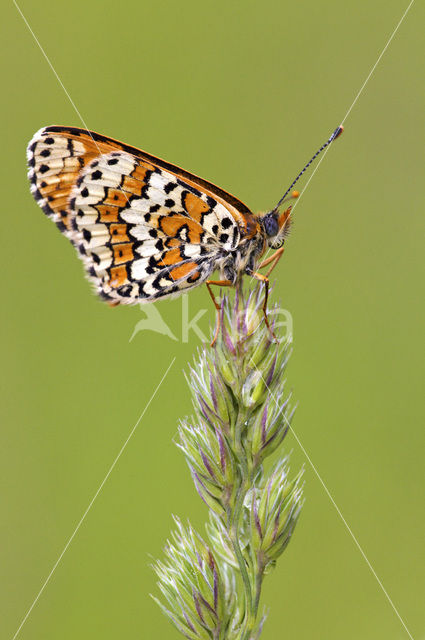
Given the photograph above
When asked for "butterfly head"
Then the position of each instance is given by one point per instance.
(276, 225)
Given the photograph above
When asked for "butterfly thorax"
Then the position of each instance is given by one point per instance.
(245, 257)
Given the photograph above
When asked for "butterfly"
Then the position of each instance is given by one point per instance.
(144, 228)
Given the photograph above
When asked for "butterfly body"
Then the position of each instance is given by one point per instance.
(244, 260)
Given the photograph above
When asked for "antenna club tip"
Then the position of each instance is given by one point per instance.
(338, 132)
(295, 194)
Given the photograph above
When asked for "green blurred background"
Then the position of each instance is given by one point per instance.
(242, 94)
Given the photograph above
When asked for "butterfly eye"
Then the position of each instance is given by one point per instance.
(271, 225)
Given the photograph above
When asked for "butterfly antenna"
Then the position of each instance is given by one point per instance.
(333, 137)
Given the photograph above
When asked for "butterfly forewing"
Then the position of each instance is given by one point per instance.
(144, 228)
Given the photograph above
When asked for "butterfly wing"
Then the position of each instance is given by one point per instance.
(144, 228)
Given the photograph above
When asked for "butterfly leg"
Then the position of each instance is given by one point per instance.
(218, 283)
(266, 281)
(273, 260)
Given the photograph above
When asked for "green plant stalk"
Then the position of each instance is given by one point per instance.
(234, 536)
(213, 587)
(256, 579)
(252, 616)
(236, 520)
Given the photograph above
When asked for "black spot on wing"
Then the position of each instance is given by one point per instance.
(125, 290)
(170, 186)
(211, 202)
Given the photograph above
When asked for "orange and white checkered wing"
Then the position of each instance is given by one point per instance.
(144, 228)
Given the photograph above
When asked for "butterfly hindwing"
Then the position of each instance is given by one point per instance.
(142, 231)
